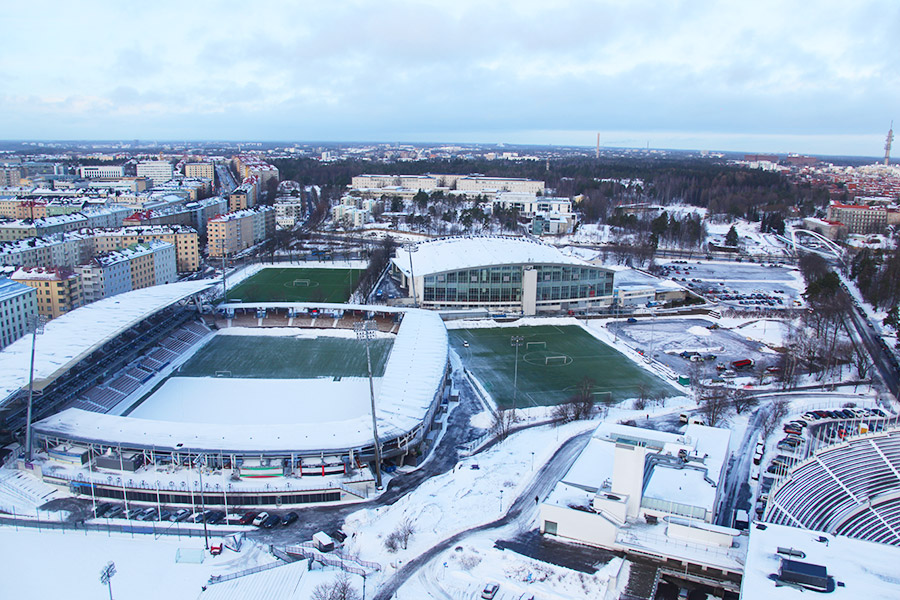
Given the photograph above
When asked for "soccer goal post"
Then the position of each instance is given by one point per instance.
(556, 359)
(605, 397)
(529, 345)
(223, 373)
(301, 283)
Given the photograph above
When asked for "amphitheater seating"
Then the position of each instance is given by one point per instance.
(349, 321)
(852, 488)
(275, 319)
(125, 383)
(104, 397)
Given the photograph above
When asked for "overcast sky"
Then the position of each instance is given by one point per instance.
(808, 76)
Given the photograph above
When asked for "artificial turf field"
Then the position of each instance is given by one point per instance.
(267, 357)
(297, 284)
(574, 354)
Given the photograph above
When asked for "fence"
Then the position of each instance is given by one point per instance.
(156, 529)
(245, 572)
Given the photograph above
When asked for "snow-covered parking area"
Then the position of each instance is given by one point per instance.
(745, 285)
(668, 337)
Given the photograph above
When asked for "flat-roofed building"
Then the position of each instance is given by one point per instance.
(26, 228)
(58, 288)
(235, 231)
(203, 170)
(18, 305)
(158, 171)
(412, 182)
(185, 239)
(10, 176)
(102, 172)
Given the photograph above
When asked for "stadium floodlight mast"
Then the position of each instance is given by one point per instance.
(221, 245)
(36, 322)
(410, 248)
(106, 576)
(365, 333)
(516, 341)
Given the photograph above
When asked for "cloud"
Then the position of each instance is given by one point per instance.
(357, 70)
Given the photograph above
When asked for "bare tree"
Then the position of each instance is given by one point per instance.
(861, 361)
(502, 422)
(777, 411)
(714, 404)
(742, 400)
(339, 589)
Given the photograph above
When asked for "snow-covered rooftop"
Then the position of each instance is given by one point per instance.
(71, 337)
(865, 569)
(451, 254)
(411, 378)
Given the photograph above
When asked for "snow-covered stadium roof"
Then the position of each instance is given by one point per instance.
(69, 338)
(411, 378)
(451, 254)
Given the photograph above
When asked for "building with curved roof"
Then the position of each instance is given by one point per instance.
(511, 275)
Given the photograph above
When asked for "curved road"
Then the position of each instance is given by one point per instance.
(522, 508)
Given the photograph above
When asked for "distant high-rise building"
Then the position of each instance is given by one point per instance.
(158, 171)
(887, 145)
(18, 305)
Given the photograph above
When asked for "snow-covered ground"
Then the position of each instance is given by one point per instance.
(145, 567)
(225, 401)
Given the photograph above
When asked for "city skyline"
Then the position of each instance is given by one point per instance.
(696, 76)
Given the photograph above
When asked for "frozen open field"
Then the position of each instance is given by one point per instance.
(257, 401)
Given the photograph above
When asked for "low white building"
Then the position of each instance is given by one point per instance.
(289, 212)
(158, 171)
(648, 492)
(102, 172)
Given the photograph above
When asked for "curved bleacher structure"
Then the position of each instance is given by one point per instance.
(850, 489)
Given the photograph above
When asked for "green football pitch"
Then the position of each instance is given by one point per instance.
(270, 357)
(552, 362)
(297, 285)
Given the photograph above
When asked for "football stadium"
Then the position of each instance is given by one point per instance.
(148, 393)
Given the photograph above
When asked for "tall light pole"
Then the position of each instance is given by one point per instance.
(202, 502)
(106, 576)
(365, 333)
(37, 326)
(516, 341)
(410, 248)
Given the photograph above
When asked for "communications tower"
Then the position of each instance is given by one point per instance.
(887, 145)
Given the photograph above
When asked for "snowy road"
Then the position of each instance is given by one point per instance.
(523, 511)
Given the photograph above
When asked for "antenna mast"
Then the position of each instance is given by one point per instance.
(887, 145)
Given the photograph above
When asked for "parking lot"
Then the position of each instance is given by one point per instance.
(668, 337)
(740, 285)
(259, 518)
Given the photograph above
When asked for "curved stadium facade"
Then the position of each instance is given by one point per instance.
(502, 275)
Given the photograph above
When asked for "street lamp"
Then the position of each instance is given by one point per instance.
(516, 341)
(36, 322)
(365, 333)
(410, 248)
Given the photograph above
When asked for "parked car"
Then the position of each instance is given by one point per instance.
(102, 508)
(260, 518)
(180, 515)
(147, 514)
(271, 521)
(215, 516)
(289, 519)
(490, 590)
(247, 518)
(116, 512)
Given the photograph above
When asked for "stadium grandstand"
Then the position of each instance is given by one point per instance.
(77, 353)
(152, 459)
(850, 489)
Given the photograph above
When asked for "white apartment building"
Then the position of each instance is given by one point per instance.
(158, 171)
(289, 211)
(102, 172)
(202, 170)
(18, 305)
(481, 184)
(529, 204)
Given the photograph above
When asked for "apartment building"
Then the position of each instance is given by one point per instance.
(102, 172)
(132, 268)
(158, 171)
(232, 232)
(18, 305)
(10, 176)
(58, 288)
(245, 195)
(289, 212)
(185, 239)
(59, 250)
(26, 228)
(201, 170)
(248, 165)
(481, 184)
(863, 219)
